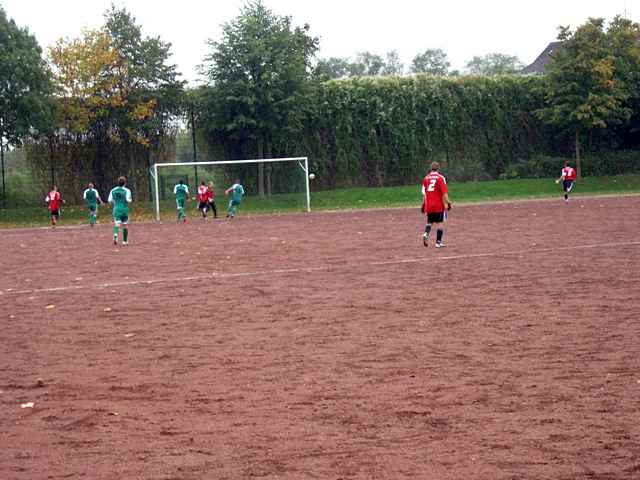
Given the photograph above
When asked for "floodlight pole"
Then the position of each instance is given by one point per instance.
(306, 179)
(193, 141)
(4, 191)
(157, 193)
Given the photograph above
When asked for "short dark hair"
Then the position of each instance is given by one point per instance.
(122, 181)
(202, 183)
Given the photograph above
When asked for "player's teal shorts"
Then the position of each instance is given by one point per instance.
(180, 202)
(92, 207)
(121, 218)
(234, 202)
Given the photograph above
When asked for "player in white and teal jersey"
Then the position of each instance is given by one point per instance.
(120, 198)
(92, 199)
(181, 191)
(237, 192)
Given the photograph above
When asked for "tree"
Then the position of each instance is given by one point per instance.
(366, 64)
(257, 74)
(117, 94)
(591, 78)
(393, 64)
(331, 68)
(25, 87)
(431, 61)
(494, 64)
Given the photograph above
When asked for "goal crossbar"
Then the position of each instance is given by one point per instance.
(303, 162)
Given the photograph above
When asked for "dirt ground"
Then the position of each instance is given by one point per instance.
(327, 346)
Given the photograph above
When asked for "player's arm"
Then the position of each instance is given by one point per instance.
(110, 199)
(446, 201)
(562, 177)
(226, 192)
(129, 199)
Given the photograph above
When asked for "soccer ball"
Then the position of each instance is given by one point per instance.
(312, 176)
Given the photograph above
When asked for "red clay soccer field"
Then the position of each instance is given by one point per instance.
(327, 346)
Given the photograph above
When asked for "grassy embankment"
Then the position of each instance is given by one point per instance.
(352, 198)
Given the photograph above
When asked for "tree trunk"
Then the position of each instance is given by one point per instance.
(578, 160)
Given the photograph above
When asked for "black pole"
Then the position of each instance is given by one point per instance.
(193, 141)
(4, 191)
(51, 165)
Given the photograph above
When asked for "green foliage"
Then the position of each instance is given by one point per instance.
(592, 80)
(384, 130)
(367, 64)
(332, 68)
(258, 74)
(117, 96)
(431, 61)
(494, 64)
(393, 65)
(25, 84)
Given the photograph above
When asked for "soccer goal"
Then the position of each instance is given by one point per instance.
(286, 181)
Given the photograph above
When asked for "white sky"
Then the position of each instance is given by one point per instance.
(462, 28)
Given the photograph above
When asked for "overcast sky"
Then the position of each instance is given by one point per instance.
(462, 28)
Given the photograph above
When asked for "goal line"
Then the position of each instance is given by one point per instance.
(303, 163)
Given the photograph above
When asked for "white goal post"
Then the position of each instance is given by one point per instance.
(303, 162)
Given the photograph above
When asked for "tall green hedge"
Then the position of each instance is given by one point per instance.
(384, 131)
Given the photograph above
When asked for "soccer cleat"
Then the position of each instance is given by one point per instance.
(425, 240)
(115, 241)
(439, 245)
(124, 244)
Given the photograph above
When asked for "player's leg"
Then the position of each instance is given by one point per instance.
(212, 205)
(125, 230)
(427, 231)
(568, 190)
(116, 229)
(439, 235)
(231, 210)
(55, 216)
(440, 229)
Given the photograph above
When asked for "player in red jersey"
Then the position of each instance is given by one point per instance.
(202, 198)
(212, 199)
(54, 202)
(568, 177)
(436, 199)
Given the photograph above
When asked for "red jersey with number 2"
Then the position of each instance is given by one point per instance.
(434, 187)
(569, 173)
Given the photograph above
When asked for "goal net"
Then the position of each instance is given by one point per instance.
(285, 183)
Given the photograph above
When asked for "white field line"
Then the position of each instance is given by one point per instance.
(323, 268)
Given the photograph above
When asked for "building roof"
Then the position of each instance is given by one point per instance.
(539, 64)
